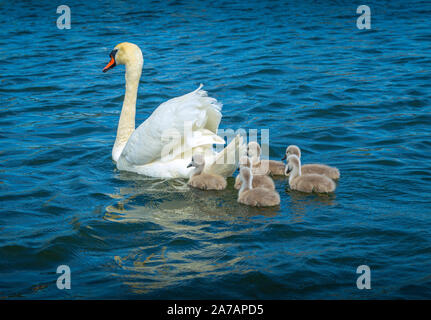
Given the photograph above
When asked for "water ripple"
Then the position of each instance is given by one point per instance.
(355, 99)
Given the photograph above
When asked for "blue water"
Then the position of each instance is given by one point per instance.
(355, 99)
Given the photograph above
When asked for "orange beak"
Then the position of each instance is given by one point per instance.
(110, 65)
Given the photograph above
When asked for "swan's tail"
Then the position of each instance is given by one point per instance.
(226, 162)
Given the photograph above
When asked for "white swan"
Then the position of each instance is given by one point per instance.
(163, 144)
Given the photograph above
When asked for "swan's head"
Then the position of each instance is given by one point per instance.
(253, 150)
(125, 53)
(198, 161)
(293, 162)
(292, 149)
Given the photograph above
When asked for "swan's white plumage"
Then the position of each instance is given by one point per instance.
(177, 168)
(163, 144)
(195, 109)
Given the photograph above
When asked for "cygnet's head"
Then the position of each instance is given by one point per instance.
(244, 161)
(198, 161)
(253, 149)
(245, 175)
(292, 149)
(292, 163)
(125, 53)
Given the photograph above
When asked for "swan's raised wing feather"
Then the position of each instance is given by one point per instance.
(194, 110)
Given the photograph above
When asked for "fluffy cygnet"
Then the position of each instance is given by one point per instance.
(201, 180)
(311, 182)
(258, 179)
(256, 197)
(330, 172)
(275, 168)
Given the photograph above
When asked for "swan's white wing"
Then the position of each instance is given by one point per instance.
(200, 140)
(223, 163)
(164, 129)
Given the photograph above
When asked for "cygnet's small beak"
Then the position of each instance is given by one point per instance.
(287, 171)
(284, 158)
(190, 165)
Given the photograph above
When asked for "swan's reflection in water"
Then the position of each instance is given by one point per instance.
(186, 233)
(189, 234)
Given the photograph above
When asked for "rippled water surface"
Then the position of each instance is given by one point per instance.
(355, 99)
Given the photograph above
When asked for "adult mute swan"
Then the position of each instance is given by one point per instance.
(163, 145)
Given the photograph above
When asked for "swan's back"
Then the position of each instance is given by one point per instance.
(259, 197)
(195, 109)
(206, 181)
(313, 183)
(330, 172)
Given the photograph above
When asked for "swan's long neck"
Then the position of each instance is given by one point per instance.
(126, 124)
